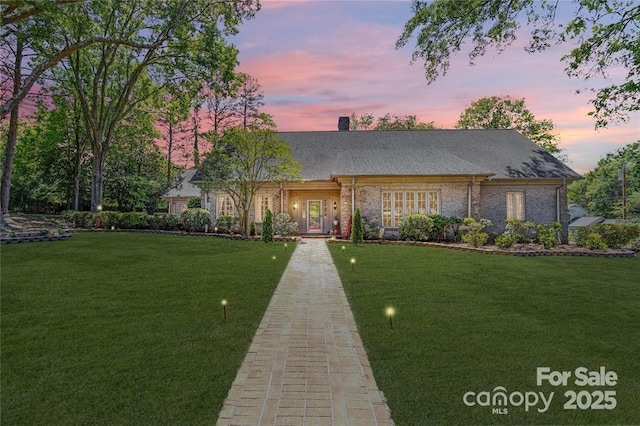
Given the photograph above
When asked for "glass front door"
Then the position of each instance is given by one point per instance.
(314, 216)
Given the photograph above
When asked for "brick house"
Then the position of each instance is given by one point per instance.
(493, 174)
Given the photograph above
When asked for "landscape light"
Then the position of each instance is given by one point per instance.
(353, 262)
(285, 246)
(390, 313)
(273, 260)
(224, 309)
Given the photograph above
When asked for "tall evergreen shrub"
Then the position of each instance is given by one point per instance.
(267, 227)
(357, 230)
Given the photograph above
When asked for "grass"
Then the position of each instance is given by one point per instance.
(472, 322)
(117, 328)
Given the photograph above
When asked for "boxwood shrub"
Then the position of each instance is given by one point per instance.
(194, 220)
(415, 227)
(106, 219)
(134, 220)
(166, 221)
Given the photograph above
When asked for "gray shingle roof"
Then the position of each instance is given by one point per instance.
(502, 153)
(183, 187)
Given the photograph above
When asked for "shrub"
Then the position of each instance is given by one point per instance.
(194, 220)
(194, 203)
(252, 229)
(284, 226)
(106, 219)
(618, 234)
(415, 227)
(371, 228)
(548, 235)
(79, 219)
(133, 220)
(267, 227)
(613, 235)
(520, 232)
(357, 231)
(473, 231)
(166, 221)
(225, 223)
(594, 242)
(504, 241)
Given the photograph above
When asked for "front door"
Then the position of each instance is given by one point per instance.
(314, 216)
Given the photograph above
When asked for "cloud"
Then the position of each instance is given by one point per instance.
(319, 60)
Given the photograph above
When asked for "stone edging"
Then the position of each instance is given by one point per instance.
(520, 253)
(33, 237)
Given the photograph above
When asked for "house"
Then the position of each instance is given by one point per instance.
(576, 211)
(493, 174)
(178, 195)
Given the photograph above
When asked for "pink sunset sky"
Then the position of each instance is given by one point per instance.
(318, 60)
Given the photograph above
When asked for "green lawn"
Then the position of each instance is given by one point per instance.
(118, 328)
(469, 322)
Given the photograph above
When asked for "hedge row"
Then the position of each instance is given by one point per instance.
(192, 220)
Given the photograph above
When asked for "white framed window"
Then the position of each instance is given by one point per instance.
(386, 209)
(396, 204)
(224, 205)
(515, 205)
(263, 202)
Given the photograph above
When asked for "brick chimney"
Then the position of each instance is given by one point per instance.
(343, 124)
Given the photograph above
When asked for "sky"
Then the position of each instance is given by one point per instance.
(319, 60)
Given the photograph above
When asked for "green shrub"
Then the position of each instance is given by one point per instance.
(594, 242)
(166, 221)
(520, 232)
(357, 230)
(267, 227)
(548, 235)
(195, 220)
(617, 235)
(473, 231)
(284, 226)
(79, 219)
(504, 241)
(371, 228)
(194, 203)
(252, 229)
(225, 223)
(613, 235)
(106, 219)
(133, 220)
(415, 227)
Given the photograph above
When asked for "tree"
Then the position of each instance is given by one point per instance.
(245, 159)
(600, 191)
(505, 113)
(388, 122)
(267, 227)
(357, 230)
(249, 99)
(400, 122)
(603, 36)
(168, 44)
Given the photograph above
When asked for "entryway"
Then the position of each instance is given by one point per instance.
(314, 216)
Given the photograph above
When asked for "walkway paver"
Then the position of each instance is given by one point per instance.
(306, 364)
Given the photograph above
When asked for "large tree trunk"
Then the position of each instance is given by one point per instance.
(12, 135)
(97, 180)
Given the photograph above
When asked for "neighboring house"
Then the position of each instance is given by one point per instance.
(178, 195)
(576, 211)
(493, 174)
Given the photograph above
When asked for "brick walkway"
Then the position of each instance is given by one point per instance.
(306, 364)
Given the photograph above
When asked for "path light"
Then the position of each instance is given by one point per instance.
(224, 308)
(285, 246)
(215, 229)
(390, 313)
(343, 249)
(273, 260)
(353, 262)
